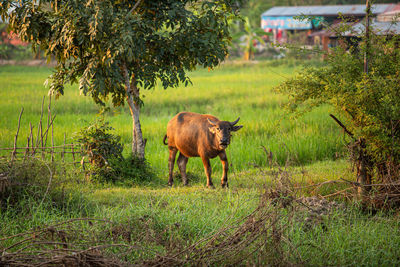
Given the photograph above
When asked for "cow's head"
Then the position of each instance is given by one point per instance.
(222, 131)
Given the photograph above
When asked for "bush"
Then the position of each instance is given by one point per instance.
(98, 144)
(104, 151)
(368, 103)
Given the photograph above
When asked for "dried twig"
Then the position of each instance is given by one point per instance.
(338, 192)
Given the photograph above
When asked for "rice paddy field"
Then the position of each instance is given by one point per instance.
(228, 92)
(311, 148)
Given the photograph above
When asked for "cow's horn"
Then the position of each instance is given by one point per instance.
(236, 121)
(211, 122)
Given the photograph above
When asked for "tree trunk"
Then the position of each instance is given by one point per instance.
(132, 96)
(364, 169)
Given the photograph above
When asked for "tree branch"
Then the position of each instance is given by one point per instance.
(342, 125)
(134, 7)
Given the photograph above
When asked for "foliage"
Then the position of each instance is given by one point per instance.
(104, 151)
(12, 52)
(98, 144)
(4, 51)
(91, 40)
(368, 103)
(124, 172)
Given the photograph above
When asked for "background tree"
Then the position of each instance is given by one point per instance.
(247, 39)
(113, 49)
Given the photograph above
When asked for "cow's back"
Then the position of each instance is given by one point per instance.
(189, 133)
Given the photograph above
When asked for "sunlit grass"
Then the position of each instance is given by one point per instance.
(227, 92)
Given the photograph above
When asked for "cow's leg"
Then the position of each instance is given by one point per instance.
(171, 162)
(224, 161)
(182, 161)
(207, 169)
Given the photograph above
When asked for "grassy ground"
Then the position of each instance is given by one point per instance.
(161, 218)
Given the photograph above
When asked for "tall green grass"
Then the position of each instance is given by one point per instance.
(227, 92)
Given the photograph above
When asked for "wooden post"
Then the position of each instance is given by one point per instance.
(368, 11)
(39, 132)
(31, 137)
(48, 121)
(73, 152)
(14, 153)
(26, 149)
(63, 152)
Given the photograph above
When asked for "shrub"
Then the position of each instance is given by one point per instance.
(368, 103)
(104, 151)
(98, 144)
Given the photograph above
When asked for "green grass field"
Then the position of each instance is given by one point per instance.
(226, 92)
(159, 217)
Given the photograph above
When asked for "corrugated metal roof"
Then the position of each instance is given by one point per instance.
(358, 28)
(325, 10)
(332, 30)
(380, 28)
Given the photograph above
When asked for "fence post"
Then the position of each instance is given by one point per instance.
(32, 138)
(73, 152)
(27, 148)
(63, 152)
(14, 153)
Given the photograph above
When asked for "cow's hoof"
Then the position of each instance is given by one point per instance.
(225, 185)
(170, 184)
(211, 186)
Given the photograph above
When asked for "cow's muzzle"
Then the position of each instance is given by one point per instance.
(224, 143)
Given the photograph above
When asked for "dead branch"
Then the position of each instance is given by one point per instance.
(318, 185)
(338, 192)
(369, 185)
(342, 125)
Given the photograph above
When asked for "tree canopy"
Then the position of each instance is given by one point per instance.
(92, 39)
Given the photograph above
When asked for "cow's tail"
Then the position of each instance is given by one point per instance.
(165, 138)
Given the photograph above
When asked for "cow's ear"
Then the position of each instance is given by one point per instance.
(236, 128)
(212, 130)
(211, 122)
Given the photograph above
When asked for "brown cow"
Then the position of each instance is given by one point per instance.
(197, 135)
